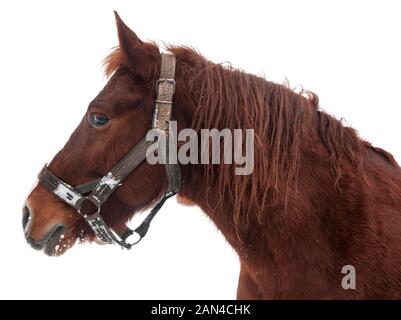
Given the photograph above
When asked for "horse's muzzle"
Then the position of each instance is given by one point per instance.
(49, 241)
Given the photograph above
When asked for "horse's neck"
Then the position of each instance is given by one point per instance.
(197, 189)
(270, 250)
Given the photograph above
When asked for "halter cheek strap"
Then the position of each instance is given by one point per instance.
(98, 191)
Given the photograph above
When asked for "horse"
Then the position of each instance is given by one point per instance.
(320, 198)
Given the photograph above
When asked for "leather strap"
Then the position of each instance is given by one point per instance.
(59, 188)
(106, 186)
(165, 88)
(162, 115)
(87, 187)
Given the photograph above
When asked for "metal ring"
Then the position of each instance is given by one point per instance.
(79, 207)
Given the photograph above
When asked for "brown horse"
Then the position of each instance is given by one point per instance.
(319, 198)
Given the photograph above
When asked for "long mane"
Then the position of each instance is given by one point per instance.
(283, 120)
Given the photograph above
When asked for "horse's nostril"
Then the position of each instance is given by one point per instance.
(26, 216)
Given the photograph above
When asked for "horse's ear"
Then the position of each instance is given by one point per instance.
(141, 56)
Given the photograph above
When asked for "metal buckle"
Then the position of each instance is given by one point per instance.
(163, 80)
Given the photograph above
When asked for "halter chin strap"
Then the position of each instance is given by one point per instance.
(98, 191)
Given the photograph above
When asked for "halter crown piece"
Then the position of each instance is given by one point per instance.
(98, 191)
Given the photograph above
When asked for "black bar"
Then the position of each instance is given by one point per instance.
(208, 309)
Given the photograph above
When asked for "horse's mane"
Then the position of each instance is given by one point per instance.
(282, 119)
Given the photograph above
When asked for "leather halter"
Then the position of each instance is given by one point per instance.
(98, 191)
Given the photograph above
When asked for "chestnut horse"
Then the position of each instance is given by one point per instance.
(319, 198)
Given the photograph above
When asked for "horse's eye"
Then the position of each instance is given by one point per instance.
(97, 119)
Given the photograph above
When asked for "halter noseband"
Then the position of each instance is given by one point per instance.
(98, 191)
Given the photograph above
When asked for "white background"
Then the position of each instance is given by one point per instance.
(348, 52)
